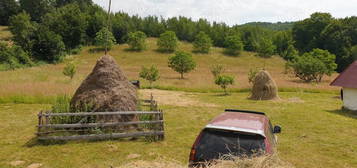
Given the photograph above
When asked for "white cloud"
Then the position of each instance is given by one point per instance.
(234, 11)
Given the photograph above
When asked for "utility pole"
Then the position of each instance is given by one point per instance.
(108, 27)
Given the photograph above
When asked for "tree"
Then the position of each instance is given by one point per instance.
(47, 45)
(70, 70)
(36, 8)
(265, 48)
(290, 53)
(233, 45)
(182, 62)
(217, 70)
(137, 41)
(314, 65)
(70, 23)
(150, 74)
(22, 29)
(202, 43)
(167, 42)
(282, 40)
(13, 56)
(8, 8)
(223, 81)
(105, 38)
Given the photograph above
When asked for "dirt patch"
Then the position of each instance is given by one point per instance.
(35, 165)
(175, 98)
(17, 163)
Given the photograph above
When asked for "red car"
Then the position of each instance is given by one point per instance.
(234, 133)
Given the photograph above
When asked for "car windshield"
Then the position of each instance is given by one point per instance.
(218, 144)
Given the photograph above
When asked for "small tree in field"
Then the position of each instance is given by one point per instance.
(312, 66)
(266, 48)
(104, 38)
(167, 42)
(223, 81)
(137, 41)
(182, 62)
(202, 43)
(70, 70)
(233, 44)
(217, 70)
(252, 74)
(150, 74)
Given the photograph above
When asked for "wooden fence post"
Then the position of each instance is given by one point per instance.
(39, 122)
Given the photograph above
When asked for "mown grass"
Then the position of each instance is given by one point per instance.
(315, 133)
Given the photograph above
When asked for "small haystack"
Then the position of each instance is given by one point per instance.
(264, 87)
(106, 89)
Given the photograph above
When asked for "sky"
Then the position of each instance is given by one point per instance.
(235, 11)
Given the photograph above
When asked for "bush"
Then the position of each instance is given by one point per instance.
(202, 43)
(223, 81)
(167, 42)
(233, 45)
(70, 70)
(104, 38)
(265, 48)
(47, 46)
(314, 65)
(13, 57)
(151, 74)
(217, 70)
(252, 74)
(182, 62)
(137, 41)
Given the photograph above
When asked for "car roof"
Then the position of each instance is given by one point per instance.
(244, 121)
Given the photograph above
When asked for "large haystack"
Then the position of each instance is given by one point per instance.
(106, 89)
(264, 87)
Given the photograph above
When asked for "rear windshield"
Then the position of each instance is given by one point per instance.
(218, 144)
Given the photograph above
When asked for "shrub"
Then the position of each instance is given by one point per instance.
(223, 81)
(182, 62)
(233, 45)
(70, 70)
(252, 74)
(265, 48)
(167, 42)
(13, 57)
(202, 43)
(104, 39)
(217, 70)
(151, 74)
(136, 41)
(314, 65)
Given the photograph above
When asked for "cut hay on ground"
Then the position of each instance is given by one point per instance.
(264, 87)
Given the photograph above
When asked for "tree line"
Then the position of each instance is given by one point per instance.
(46, 30)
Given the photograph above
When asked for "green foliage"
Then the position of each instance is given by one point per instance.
(354, 53)
(290, 53)
(70, 70)
(69, 22)
(282, 40)
(223, 81)
(8, 8)
(252, 74)
(137, 41)
(47, 46)
(150, 74)
(13, 57)
(36, 8)
(167, 42)
(217, 70)
(265, 48)
(202, 43)
(22, 29)
(105, 38)
(233, 45)
(182, 62)
(314, 65)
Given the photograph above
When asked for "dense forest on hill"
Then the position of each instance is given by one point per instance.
(49, 30)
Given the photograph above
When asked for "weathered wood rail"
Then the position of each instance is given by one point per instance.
(85, 126)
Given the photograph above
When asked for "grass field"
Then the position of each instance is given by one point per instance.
(316, 134)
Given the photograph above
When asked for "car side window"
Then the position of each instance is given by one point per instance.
(271, 133)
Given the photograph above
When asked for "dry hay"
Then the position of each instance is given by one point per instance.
(264, 87)
(106, 89)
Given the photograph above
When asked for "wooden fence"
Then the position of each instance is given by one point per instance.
(88, 126)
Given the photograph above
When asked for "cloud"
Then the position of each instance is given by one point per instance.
(234, 11)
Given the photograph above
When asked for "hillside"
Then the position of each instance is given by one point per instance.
(49, 80)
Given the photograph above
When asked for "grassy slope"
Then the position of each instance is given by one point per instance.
(49, 80)
(314, 134)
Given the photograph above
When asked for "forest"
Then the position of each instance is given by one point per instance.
(44, 31)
